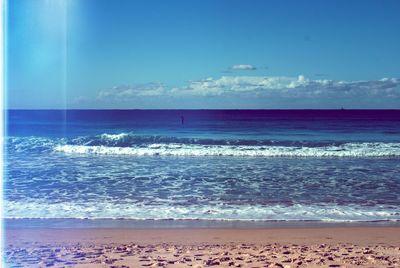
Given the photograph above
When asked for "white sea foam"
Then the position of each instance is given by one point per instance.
(99, 210)
(367, 149)
(114, 137)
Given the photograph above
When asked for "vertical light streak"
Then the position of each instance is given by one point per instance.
(3, 87)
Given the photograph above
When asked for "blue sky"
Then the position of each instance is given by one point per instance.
(203, 54)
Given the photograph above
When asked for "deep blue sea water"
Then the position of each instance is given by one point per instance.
(325, 165)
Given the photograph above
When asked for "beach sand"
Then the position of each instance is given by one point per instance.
(204, 247)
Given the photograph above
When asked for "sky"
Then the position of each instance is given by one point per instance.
(217, 54)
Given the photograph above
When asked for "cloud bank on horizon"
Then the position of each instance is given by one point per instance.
(269, 91)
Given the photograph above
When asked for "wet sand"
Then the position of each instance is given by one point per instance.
(204, 247)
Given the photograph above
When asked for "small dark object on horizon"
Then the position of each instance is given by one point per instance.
(182, 119)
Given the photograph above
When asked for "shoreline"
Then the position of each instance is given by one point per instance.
(66, 223)
(324, 246)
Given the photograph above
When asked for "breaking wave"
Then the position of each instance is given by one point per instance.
(128, 144)
(99, 210)
(345, 150)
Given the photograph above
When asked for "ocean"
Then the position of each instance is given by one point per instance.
(245, 165)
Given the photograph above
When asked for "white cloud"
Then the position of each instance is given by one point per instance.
(265, 91)
(126, 92)
(243, 67)
(288, 86)
(234, 84)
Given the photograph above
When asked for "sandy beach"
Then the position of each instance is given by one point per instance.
(204, 247)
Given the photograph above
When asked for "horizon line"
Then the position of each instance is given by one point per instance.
(208, 109)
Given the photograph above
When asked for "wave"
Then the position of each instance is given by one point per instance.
(345, 150)
(100, 210)
(130, 145)
(129, 139)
